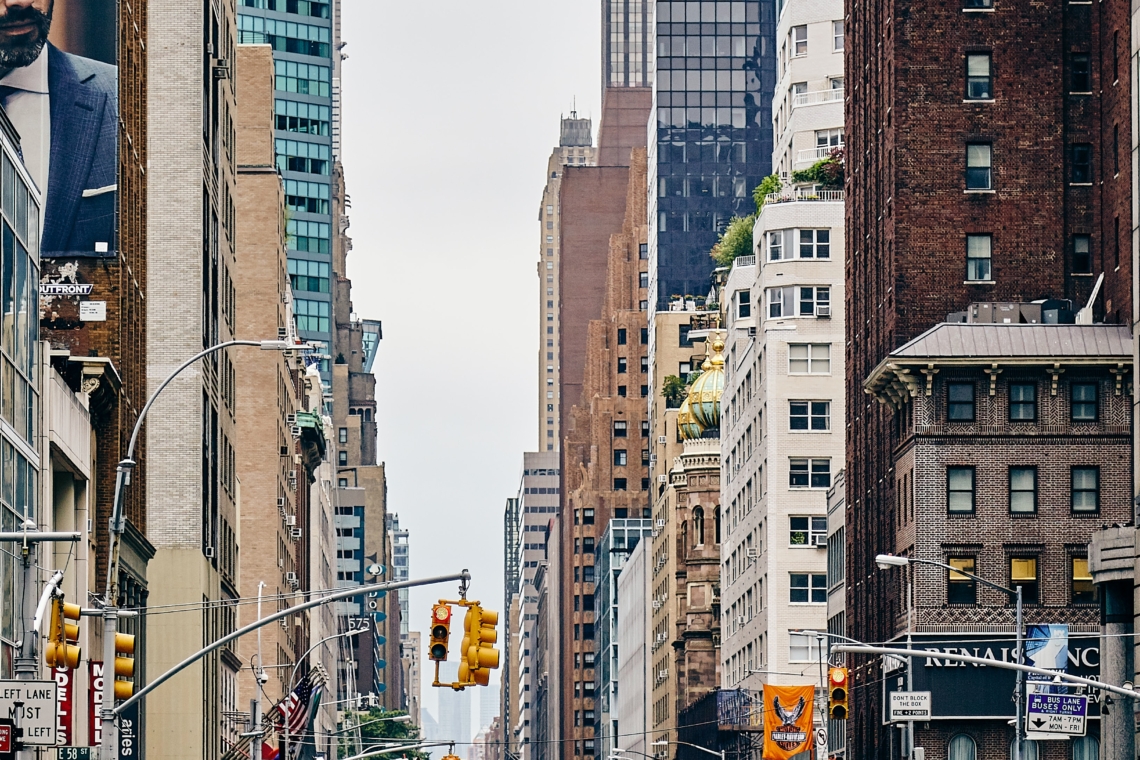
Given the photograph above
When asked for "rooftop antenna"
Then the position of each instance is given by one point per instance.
(574, 107)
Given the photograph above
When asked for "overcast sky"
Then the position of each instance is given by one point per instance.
(450, 112)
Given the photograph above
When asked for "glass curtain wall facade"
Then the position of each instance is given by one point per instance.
(712, 138)
(627, 43)
(300, 32)
(20, 398)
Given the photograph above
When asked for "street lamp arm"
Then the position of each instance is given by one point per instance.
(375, 752)
(694, 746)
(825, 633)
(952, 569)
(619, 752)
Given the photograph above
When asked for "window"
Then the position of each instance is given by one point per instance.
(588, 516)
(808, 588)
(621, 391)
(960, 489)
(809, 473)
(979, 77)
(1082, 590)
(743, 304)
(312, 316)
(1023, 572)
(1082, 254)
(975, 4)
(961, 402)
(343, 435)
(620, 457)
(978, 261)
(1023, 490)
(799, 41)
(588, 574)
(1085, 748)
(645, 336)
(619, 484)
(810, 297)
(810, 415)
(805, 530)
(815, 243)
(1084, 406)
(588, 548)
(1022, 402)
(1085, 489)
(643, 280)
(1080, 78)
(775, 303)
(809, 358)
(342, 458)
(961, 589)
(644, 366)
(622, 365)
(979, 161)
(962, 747)
(776, 245)
(621, 336)
(620, 428)
(1082, 164)
(643, 251)
(1029, 750)
(683, 339)
(836, 35)
(803, 647)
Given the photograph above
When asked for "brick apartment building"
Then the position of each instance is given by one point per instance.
(966, 185)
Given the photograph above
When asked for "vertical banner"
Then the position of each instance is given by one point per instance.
(95, 704)
(64, 705)
(129, 731)
(787, 721)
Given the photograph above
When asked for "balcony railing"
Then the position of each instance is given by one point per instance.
(744, 261)
(811, 155)
(818, 97)
(790, 194)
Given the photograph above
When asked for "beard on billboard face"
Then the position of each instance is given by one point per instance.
(23, 34)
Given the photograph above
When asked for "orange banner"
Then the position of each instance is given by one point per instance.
(787, 721)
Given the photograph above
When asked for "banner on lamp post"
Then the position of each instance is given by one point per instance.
(788, 728)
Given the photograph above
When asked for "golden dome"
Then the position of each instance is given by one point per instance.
(689, 428)
(705, 393)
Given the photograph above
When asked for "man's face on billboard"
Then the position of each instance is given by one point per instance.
(24, 26)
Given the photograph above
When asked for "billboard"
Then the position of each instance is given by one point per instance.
(60, 92)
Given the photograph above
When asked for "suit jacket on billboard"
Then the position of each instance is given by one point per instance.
(82, 175)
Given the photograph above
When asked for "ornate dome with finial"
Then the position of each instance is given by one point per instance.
(705, 393)
(689, 428)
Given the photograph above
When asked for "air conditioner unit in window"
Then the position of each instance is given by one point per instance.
(291, 520)
(295, 431)
(740, 620)
(823, 310)
(661, 439)
(281, 502)
(291, 579)
(656, 604)
(281, 562)
(753, 554)
(295, 533)
(652, 459)
(820, 540)
(660, 523)
(662, 479)
(290, 419)
(209, 552)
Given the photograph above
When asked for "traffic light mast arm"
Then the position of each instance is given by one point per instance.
(325, 599)
(1052, 674)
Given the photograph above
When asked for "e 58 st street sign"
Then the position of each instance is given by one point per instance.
(1057, 713)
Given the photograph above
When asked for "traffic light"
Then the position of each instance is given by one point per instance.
(440, 632)
(62, 648)
(124, 665)
(837, 694)
(479, 656)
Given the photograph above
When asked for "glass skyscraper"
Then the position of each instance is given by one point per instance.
(627, 43)
(715, 75)
(301, 34)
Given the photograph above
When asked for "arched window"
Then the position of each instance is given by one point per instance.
(1029, 750)
(1085, 748)
(698, 527)
(716, 514)
(962, 747)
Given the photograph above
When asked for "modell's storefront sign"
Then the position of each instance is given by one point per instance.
(962, 690)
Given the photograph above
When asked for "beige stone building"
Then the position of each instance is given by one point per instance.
(574, 149)
(190, 431)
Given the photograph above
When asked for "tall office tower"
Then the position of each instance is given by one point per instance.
(574, 149)
(400, 568)
(191, 304)
(711, 131)
(627, 78)
(781, 435)
(963, 187)
(605, 451)
(304, 55)
(537, 503)
(508, 675)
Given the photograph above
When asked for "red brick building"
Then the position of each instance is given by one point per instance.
(986, 160)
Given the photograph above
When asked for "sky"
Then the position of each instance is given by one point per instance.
(450, 112)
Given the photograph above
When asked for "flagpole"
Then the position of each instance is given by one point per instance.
(293, 677)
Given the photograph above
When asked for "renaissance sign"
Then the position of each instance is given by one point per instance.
(961, 690)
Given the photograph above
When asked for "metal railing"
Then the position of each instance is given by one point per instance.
(816, 98)
(790, 194)
(816, 154)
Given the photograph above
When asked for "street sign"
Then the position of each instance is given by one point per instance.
(7, 738)
(1057, 714)
(37, 717)
(910, 705)
(73, 753)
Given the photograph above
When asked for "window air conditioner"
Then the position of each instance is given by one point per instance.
(739, 620)
(660, 523)
(209, 552)
(291, 579)
(291, 520)
(281, 502)
(662, 479)
(295, 533)
(661, 439)
(753, 553)
(820, 541)
(823, 310)
(295, 431)
(290, 420)
(656, 604)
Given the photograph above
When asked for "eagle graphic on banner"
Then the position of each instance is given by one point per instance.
(788, 725)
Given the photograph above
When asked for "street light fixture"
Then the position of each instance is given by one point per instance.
(886, 561)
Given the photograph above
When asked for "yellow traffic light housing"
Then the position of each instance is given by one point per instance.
(62, 648)
(440, 632)
(124, 665)
(479, 656)
(837, 693)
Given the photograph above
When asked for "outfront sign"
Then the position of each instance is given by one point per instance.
(32, 705)
(1057, 713)
(962, 690)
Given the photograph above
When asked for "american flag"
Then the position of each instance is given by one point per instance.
(295, 708)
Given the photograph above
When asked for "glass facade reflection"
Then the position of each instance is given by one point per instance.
(19, 386)
(300, 32)
(715, 76)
